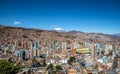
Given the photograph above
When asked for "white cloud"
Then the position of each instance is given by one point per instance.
(58, 29)
(17, 22)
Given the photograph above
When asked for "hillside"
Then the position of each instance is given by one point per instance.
(9, 34)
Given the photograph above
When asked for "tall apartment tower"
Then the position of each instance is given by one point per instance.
(54, 45)
(30, 45)
(64, 46)
(74, 47)
(93, 48)
(36, 50)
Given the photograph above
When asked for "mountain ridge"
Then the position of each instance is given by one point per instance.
(18, 33)
(116, 34)
(71, 31)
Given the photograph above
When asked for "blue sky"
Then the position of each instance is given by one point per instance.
(82, 15)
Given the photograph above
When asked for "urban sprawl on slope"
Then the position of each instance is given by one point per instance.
(50, 52)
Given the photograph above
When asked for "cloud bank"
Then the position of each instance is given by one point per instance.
(17, 22)
(58, 28)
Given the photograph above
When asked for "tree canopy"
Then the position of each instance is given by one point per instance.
(58, 67)
(8, 68)
(71, 60)
(44, 64)
(50, 66)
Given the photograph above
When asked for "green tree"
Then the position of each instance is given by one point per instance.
(36, 63)
(8, 68)
(44, 64)
(53, 72)
(58, 67)
(71, 60)
(50, 66)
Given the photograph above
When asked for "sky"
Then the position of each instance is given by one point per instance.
(100, 16)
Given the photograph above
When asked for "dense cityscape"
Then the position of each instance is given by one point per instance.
(59, 36)
(33, 51)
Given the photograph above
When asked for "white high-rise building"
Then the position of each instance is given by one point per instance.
(106, 49)
(75, 44)
(64, 46)
(36, 50)
(36, 44)
(93, 50)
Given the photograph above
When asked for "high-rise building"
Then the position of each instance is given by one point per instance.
(106, 49)
(36, 50)
(31, 53)
(54, 45)
(73, 51)
(36, 45)
(25, 45)
(75, 44)
(99, 49)
(23, 54)
(63, 46)
(93, 49)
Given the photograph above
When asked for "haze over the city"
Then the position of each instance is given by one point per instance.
(82, 15)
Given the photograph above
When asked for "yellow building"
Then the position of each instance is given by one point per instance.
(73, 51)
(83, 50)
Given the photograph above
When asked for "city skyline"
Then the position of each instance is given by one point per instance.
(81, 15)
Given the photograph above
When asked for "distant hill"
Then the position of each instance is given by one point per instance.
(9, 34)
(117, 34)
(74, 32)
